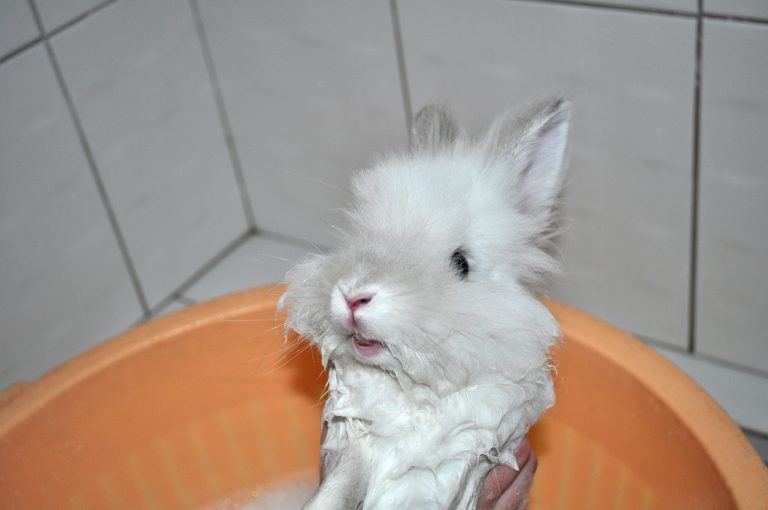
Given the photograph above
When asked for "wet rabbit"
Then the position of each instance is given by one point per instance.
(426, 316)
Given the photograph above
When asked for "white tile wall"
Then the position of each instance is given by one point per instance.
(63, 284)
(626, 241)
(312, 92)
(17, 25)
(147, 108)
(55, 13)
(753, 8)
(732, 318)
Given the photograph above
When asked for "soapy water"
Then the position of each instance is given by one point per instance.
(289, 494)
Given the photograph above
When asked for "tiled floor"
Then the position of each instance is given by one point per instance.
(257, 261)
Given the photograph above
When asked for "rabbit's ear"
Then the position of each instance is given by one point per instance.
(433, 129)
(533, 147)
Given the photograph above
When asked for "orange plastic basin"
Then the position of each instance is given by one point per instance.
(192, 408)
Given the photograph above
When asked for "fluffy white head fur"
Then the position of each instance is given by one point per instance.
(427, 317)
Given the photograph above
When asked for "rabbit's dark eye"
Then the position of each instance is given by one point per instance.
(459, 264)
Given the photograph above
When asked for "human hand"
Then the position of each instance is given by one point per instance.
(507, 489)
(503, 488)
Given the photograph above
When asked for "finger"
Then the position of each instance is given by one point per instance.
(501, 477)
(516, 495)
(496, 482)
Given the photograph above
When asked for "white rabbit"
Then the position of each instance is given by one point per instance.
(427, 317)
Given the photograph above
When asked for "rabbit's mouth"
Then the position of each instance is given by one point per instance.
(366, 347)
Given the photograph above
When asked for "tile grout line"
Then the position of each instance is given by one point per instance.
(614, 7)
(652, 10)
(295, 241)
(197, 275)
(184, 299)
(178, 294)
(79, 18)
(695, 163)
(43, 35)
(221, 109)
(730, 365)
(21, 49)
(75, 118)
(735, 18)
(401, 69)
(757, 433)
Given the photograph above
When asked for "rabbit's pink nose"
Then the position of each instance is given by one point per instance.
(356, 302)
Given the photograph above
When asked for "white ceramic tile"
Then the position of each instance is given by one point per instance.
(259, 261)
(141, 88)
(625, 236)
(673, 5)
(732, 311)
(17, 25)
(744, 396)
(55, 13)
(313, 93)
(63, 285)
(752, 8)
